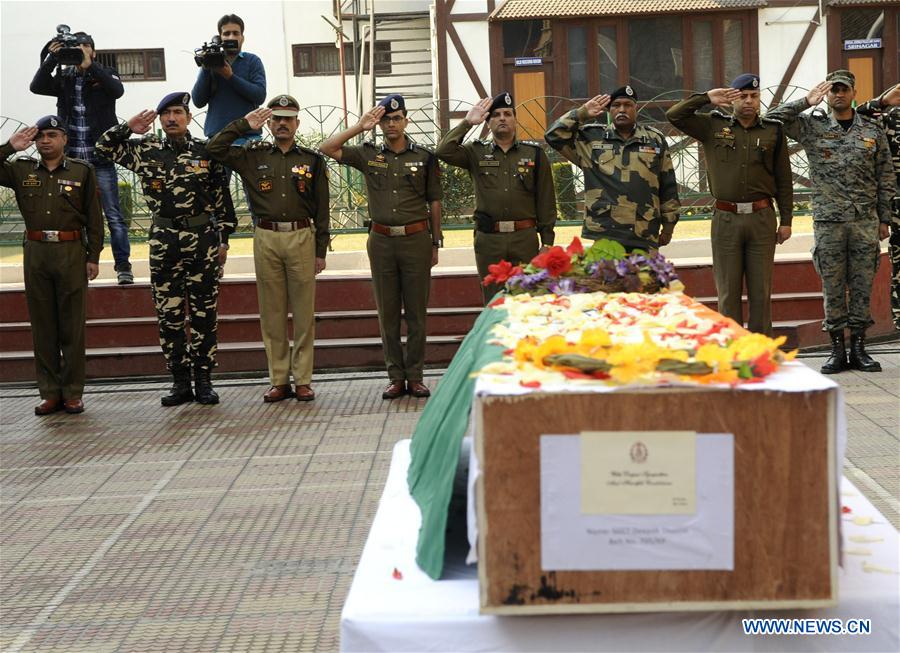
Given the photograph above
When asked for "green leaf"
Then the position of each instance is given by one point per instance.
(605, 249)
(578, 362)
(682, 367)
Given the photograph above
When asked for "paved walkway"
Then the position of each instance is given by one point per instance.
(238, 527)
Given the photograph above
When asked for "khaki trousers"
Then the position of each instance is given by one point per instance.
(743, 248)
(517, 247)
(56, 290)
(285, 280)
(401, 280)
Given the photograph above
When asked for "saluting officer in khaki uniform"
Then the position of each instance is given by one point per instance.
(747, 164)
(514, 195)
(403, 184)
(58, 199)
(288, 186)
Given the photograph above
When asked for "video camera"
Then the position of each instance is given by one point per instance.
(214, 53)
(70, 54)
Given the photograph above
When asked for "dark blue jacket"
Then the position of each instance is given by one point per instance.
(230, 99)
(101, 90)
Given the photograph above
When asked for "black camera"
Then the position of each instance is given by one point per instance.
(70, 54)
(215, 53)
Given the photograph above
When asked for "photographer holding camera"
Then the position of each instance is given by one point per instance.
(234, 84)
(86, 93)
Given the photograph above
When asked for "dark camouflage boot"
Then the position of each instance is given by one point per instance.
(837, 362)
(859, 359)
(203, 387)
(181, 389)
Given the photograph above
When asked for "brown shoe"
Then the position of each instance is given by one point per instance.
(395, 389)
(305, 393)
(277, 393)
(73, 406)
(48, 406)
(418, 389)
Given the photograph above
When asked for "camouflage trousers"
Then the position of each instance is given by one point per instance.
(895, 271)
(184, 275)
(845, 254)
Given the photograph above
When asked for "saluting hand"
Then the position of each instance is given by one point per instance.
(892, 97)
(23, 138)
(724, 97)
(142, 122)
(258, 117)
(817, 93)
(596, 105)
(479, 112)
(370, 118)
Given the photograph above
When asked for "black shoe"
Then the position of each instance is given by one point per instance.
(124, 276)
(837, 361)
(859, 359)
(181, 392)
(203, 388)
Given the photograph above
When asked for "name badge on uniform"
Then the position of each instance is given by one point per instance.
(156, 184)
(601, 146)
(647, 149)
(831, 135)
(31, 181)
(265, 185)
(378, 164)
(489, 164)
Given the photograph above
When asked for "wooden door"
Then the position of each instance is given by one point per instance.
(866, 65)
(529, 92)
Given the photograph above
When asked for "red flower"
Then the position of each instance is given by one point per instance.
(555, 260)
(575, 247)
(530, 384)
(397, 575)
(501, 272)
(763, 366)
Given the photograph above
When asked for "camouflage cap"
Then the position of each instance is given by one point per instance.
(842, 76)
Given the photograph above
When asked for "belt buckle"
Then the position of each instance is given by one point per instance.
(283, 226)
(50, 236)
(397, 231)
(506, 226)
(744, 207)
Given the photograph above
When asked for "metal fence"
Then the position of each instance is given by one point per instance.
(348, 200)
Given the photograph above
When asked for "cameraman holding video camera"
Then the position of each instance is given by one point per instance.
(86, 93)
(231, 81)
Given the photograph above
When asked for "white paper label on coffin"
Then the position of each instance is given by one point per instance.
(573, 541)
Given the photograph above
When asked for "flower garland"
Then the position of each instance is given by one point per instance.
(604, 266)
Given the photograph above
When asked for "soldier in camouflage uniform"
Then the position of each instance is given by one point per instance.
(186, 193)
(514, 195)
(853, 185)
(630, 191)
(887, 109)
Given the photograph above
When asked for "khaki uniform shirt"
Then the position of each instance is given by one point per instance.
(65, 199)
(512, 185)
(743, 165)
(400, 186)
(283, 186)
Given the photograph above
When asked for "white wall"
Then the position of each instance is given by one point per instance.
(178, 28)
(474, 36)
(780, 31)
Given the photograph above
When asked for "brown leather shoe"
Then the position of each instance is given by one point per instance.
(395, 389)
(48, 407)
(305, 393)
(277, 393)
(73, 406)
(418, 389)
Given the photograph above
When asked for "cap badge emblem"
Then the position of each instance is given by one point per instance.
(186, 99)
(629, 90)
(755, 83)
(394, 104)
(282, 101)
(507, 99)
(53, 122)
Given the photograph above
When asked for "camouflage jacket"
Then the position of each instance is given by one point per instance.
(630, 191)
(851, 171)
(179, 180)
(890, 120)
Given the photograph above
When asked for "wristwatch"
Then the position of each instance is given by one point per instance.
(438, 243)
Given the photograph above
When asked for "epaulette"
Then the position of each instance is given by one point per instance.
(25, 157)
(654, 131)
(533, 144)
(774, 121)
(819, 114)
(259, 145)
(309, 150)
(869, 119)
(370, 144)
(718, 113)
(82, 162)
(419, 146)
(482, 141)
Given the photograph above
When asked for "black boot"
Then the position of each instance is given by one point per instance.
(837, 361)
(203, 388)
(859, 359)
(181, 388)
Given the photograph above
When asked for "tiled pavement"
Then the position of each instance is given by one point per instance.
(238, 527)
